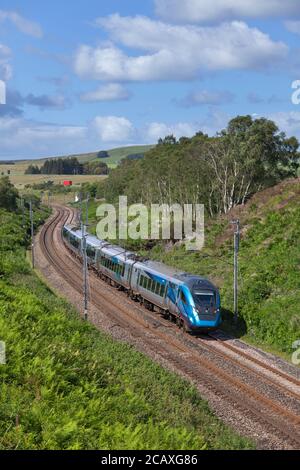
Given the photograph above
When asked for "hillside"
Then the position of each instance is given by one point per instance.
(18, 167)
(77, 388)
(269, 265)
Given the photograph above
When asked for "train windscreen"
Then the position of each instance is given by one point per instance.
(204, 298)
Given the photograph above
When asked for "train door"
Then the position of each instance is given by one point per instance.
(182, 302)
(172, 292)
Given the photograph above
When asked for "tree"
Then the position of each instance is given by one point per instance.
(103, 154)
(247, 156)
(32, 170)
(168, 140)
(62, 166)
(219, 172)
(8, 194)
(95, 168)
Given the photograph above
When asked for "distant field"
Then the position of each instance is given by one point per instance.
(115, 156)
(20, 180)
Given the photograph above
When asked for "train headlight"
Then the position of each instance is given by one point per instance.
(196, 314)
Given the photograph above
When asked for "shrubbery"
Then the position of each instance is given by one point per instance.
(68, 386)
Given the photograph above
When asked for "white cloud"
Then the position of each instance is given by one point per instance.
(214, 121)
(22, 24)
(113, 128)
(287, 121)
(155, 130)
(46, 101)
(109, 92)
(174, 52)
(5, 67)
(36, 139)
(220, 10)
(33, 139)
(293, 26)
(206, 97)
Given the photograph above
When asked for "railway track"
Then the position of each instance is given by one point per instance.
(268, 396)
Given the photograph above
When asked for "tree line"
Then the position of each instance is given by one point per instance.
(68, 166)
(220, 172)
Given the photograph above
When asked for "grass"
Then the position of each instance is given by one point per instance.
(20, 181)
(269, 266)
(68, 386)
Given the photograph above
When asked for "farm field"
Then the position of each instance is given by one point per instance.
(21, 180)
(115, 156)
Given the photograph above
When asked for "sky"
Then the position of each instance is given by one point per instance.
(89, 75)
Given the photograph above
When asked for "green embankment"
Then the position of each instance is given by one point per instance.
(68, 386)
(269, 265)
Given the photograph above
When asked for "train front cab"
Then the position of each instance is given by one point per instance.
(199, 310)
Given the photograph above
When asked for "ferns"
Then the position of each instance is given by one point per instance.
(68, 386)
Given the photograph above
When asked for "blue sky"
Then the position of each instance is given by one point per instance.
(90, 75)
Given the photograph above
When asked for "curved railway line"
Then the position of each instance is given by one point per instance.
(268, 396)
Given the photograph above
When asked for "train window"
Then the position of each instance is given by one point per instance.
(157, 288)
(120, 269)
(182, 297)
(145, 282)
(74, 241)
(90, 250)
(162, 290)
(153, 286)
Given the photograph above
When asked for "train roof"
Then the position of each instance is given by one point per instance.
(115, 250)
(112, 250)
(172, 274)
(196, 282)
(160, 268)
(191, 280)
